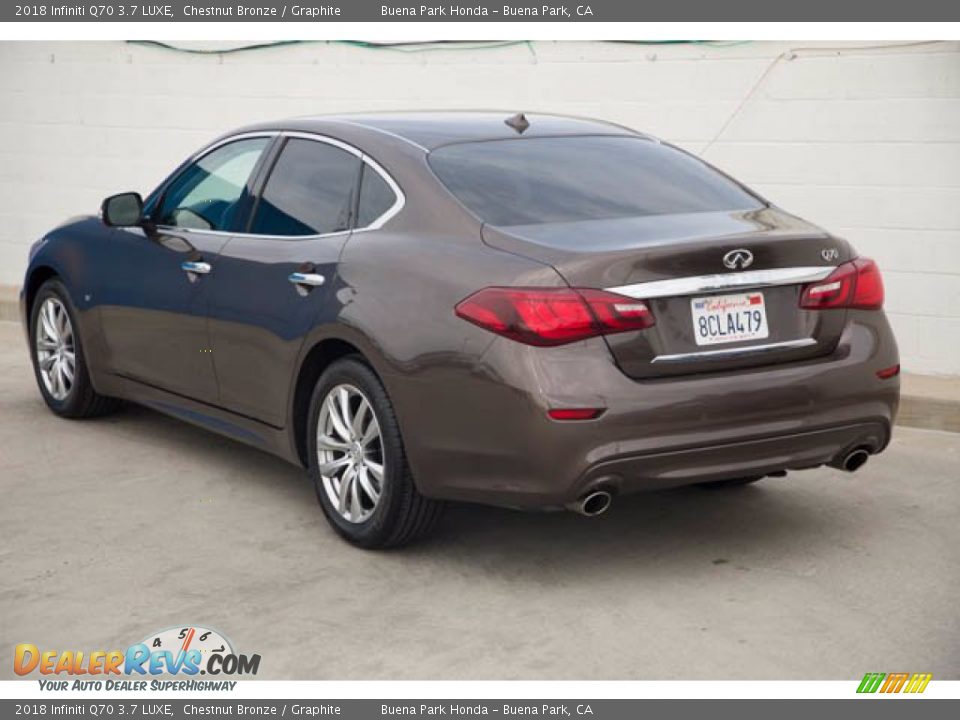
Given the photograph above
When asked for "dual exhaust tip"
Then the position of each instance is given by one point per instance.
(595, 502)
(853, 460)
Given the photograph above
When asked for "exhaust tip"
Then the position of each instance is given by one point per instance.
(855, 460)
(593, 503)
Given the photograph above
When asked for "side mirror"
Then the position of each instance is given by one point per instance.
(123, 210)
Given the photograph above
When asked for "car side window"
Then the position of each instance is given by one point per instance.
(310, 191)
(376, 197)
(210, 193)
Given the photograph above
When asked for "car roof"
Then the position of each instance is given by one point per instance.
(429, 130)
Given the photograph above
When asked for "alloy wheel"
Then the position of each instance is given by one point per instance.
(350, 453)
(56, 351)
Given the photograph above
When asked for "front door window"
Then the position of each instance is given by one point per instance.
(211, 194)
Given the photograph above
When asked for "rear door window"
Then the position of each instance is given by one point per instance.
(376, 197)
(310, 191)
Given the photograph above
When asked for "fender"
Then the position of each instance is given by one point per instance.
(66, 252)
(370, 350)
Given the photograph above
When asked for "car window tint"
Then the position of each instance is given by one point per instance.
(309, 191)
(210, 194)
(541, 180)
(376, 197)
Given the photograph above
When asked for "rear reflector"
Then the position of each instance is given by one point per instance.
(889, 372)
(856, 284)
(575, 413)
(553, 316)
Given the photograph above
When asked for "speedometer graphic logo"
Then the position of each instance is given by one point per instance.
(183, 639)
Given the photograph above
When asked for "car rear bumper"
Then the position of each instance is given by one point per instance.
(482, 433)
(748, 458)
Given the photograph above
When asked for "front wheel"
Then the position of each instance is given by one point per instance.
(358, 464)
(59, 363)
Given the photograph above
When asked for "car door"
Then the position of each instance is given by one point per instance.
(273, 282)
(154, 292)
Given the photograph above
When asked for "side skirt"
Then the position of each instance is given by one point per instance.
(223, 422)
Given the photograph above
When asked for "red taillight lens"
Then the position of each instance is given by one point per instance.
(834, 292)
(617, 313)
(575, 413)
(889, 372)
(553, 316)
(856, 284)
(868, 295)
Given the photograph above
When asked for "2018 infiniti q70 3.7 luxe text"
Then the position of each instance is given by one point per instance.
(529, 311)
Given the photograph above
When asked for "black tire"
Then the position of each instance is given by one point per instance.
(402, 514)
(732, 483)
(81, 400)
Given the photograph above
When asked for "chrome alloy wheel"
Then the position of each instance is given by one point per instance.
(350, 453)
(56, 352)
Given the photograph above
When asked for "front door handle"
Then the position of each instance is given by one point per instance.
(305, 281)
(198, 268)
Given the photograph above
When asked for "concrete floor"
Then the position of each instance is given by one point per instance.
(117, 527)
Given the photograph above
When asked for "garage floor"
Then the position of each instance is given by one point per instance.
(118, 527)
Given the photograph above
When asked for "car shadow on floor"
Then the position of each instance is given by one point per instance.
(663, 531)
(672, 527)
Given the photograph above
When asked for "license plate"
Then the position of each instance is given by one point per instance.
(729, 318)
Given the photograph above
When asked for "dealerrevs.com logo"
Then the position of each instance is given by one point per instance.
(177, 651)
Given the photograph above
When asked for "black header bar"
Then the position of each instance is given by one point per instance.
(482, 11)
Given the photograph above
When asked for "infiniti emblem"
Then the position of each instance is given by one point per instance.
(738, 259)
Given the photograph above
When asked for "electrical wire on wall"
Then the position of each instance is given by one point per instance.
(786, 55)
(414, 47)
(408, 47)
(455, 45)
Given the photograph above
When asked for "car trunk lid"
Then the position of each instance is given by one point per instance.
(709, 317)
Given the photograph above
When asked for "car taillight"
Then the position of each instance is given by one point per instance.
(855, 284)
(889, 372)
(553, 316)
(575, 413)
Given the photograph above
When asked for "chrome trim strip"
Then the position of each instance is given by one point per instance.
(400, 201)
(723, 281)
(207, 149)
(401, 198)
(324, 139)
(734, 352)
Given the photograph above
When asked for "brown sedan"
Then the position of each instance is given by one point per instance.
(532, 311)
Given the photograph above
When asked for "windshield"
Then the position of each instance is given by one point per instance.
(567, 179)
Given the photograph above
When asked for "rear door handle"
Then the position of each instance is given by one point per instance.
(309, 279)
(198, 268)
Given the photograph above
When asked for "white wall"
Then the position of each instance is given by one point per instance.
(864, 141)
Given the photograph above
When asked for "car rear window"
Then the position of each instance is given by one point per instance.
(529, 181)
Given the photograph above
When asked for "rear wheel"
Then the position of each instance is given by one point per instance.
(358, 464)
(59, 363)
(733, 482)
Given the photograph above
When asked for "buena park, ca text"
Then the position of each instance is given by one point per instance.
(508, 11)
